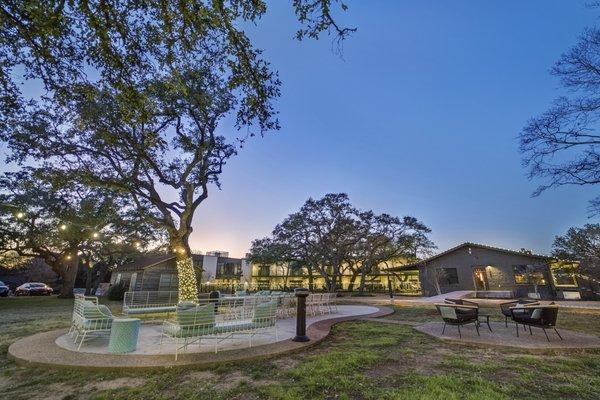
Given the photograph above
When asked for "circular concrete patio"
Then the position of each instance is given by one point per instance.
(507, 336)
(57, 349)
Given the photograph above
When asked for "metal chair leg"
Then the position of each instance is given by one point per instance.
(477, 329)
(558, 334)
(505, 321)
(530, 331)
(444, 329)
(546, 333)
(517, 326)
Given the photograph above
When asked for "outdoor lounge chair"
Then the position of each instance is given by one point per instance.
(191, 325)
(457, 314)
(506, 307)
(540, 316)
(89, 317)
(461, 302)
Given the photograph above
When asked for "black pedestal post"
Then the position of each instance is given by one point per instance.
(301, 295)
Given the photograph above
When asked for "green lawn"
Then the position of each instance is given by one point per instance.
(360, 360)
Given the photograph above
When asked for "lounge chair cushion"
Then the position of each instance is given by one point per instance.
(265, 314)
(92, 311)
(234, 326)
(537, 313)
(204, 315)
(186, 305)
(150, 310)
(464, 314)
(193, 322)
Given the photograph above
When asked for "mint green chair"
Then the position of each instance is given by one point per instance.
(191, 324)
(89, 317)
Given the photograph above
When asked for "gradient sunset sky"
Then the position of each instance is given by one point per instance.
(419, 117)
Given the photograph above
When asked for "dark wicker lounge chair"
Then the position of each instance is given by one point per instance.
(461, 302)
(506, 307)
(457, 314)
(539, 316)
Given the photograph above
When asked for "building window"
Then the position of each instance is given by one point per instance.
(229, 269)
(564, 274)
(133, 281)
(264, 270)
(295, 269)
(167, 282)
(520, 272)
(529, 274)
(449, 276)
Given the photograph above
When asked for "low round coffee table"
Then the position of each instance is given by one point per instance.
(124, 335)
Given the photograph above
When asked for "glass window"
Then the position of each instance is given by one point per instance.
(167, 282)
(449, 276)
(295, 269)
(537, 278)
(520, 272)
(229, 269)
(529, 274)
(563, 274)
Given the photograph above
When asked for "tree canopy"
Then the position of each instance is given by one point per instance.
(44, 218)
(580, 244)
(329, 235)
(136, 95)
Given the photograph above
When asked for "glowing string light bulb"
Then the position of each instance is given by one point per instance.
(20, 215)
(63, 227)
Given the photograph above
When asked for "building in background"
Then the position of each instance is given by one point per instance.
(495, 272)
(489, 271)
(159, 273)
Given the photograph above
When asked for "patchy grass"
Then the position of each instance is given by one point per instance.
(360, 360)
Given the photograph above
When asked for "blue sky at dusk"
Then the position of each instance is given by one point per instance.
(419, 117)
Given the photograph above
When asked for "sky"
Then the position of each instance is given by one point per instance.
(420, 116)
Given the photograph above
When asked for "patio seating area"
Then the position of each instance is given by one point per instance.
(527, 320)
(212, 323)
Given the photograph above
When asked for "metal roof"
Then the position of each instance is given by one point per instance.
(471, 244)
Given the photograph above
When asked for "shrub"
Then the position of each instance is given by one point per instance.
(117, 291)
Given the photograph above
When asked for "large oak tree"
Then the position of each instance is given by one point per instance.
(136, 95)
(329, 235)
(60, 223)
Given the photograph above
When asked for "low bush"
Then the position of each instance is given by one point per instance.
(117, 291)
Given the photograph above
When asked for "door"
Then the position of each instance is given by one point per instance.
(480, 279)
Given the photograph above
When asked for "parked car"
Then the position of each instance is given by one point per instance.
(34, 289)
(4, 290)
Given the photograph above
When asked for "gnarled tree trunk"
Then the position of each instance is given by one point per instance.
(68, 272)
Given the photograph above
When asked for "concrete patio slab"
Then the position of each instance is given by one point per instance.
(507, 336)
(51, 348)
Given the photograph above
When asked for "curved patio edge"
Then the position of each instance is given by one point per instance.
(41, 350)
